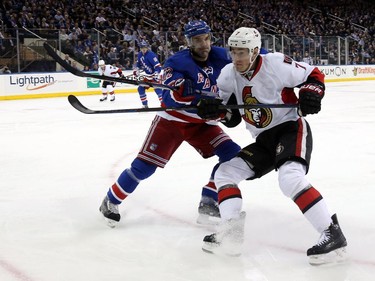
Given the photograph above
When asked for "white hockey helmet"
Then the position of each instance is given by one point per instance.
(101, 63)
(245, 37)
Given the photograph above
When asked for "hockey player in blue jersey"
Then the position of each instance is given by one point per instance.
(149, 63)
(195, 68)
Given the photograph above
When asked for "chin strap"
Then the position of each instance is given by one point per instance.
(248, 72)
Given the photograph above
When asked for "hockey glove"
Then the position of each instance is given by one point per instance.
(158, 77)
(148, 79)
(208, 109)
(310, 96)
(136, 73)
(185, 87)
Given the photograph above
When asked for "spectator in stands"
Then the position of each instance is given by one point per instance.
(67, 59)
(127, 35)
(73, 38)
(74, 64)
(88, 54)
(5, 70)
(308, 59)
(62, 35)
(100, 21)
(112, 55)
(128, 65)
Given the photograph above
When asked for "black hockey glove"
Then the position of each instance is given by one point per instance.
(208, 109)
(310, 96)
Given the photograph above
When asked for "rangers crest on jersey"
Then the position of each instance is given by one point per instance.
(208, 70)
(167, 73)
(258, 117)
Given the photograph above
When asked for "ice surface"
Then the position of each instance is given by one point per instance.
(56, 165)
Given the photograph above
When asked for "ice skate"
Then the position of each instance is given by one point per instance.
(103, 98)
(330, 247)
(208, 211)
(112, 98)
(110, 212)
(229, 239)
(145, 106)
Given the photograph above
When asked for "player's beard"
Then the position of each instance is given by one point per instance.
(200, 54)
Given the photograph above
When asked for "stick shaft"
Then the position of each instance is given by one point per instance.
(74, 101)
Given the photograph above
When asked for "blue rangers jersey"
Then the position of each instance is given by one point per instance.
(148, 62)
(203, 75)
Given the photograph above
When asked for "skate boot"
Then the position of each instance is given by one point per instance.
(112, 98)
(145, 106)
(229, 239)
(330, 247)
(208, 211)
(110, 212)
(103, 98)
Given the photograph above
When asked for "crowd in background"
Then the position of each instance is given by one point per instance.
(125, 23)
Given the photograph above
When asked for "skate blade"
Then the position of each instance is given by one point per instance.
(207, 220)
(111, 223)
(222, 251)
(336, 256)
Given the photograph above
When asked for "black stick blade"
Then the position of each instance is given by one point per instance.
(74, 101)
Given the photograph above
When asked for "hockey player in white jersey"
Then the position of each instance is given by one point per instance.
(283, 141)
(107, 86)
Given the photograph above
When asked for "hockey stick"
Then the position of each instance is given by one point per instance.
(79, 73)
(136, 78)
(74, 101)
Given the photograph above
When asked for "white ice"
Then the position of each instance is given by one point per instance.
(56, 165)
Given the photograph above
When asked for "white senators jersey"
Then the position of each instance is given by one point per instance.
(272, 82)
(110, 71)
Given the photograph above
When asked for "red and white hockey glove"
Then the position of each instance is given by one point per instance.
(310, 96)
(148, 79)
(136, 73)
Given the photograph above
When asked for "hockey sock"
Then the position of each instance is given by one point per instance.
(159, 92)
(142, 95)
(319, 216)
(227, 150)
(129, 180)
(230, 201)
(209, 190)
(314, 208)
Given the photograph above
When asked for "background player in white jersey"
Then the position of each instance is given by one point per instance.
(195, 68)
(283, 141)
(108, 87)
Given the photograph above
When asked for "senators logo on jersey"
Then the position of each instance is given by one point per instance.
(258, 117)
